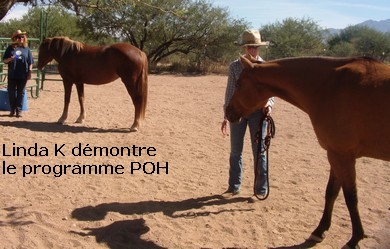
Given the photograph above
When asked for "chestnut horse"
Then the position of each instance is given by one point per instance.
(79, 63)
(348, 102)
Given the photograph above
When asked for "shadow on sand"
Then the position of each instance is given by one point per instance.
(305, 245)
(127, 233)
(56, 127)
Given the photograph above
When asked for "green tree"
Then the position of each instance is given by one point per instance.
(163, 29)
(75, 5)
(59, 21)
(189, 27)
(293, 37)
(365, 42)
(342, 49)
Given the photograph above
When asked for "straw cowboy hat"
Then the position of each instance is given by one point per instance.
(18, 32)
(251, 38)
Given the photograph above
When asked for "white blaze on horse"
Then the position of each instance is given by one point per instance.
(348, 102)
(80, 64)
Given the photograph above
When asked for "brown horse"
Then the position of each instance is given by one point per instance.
(79, 63)
(348, 102)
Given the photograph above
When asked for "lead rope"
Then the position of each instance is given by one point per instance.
(267, 143)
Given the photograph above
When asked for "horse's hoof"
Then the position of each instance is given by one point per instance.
(316, 238)
(79, 121)
(133, 129)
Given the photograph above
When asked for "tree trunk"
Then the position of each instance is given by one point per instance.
(6, 5)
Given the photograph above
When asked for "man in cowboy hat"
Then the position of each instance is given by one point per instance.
(19, 59)
(250, 43)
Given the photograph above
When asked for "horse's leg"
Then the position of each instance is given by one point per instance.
(68, 91)
(351, 199)
(137, 113)
(80, 93)
(342, 174)
(332, 191)
(137, 101)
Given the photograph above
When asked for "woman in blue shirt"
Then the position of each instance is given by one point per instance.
(19, 59)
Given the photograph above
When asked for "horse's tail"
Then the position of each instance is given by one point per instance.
(142, 85)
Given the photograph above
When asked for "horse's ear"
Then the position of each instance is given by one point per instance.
(246, 63)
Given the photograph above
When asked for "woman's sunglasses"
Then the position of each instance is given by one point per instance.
(20, 37)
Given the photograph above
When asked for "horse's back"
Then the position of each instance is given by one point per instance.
(366, 72)
(131, 52)
(126, 58)
(365, 86)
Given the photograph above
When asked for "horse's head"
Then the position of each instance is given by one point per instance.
(249, 95)
(44, 56)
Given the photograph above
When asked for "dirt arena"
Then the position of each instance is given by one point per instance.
(173, 200)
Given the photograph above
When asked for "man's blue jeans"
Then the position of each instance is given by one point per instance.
(237, 134)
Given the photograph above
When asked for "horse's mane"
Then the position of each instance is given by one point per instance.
(64, 44)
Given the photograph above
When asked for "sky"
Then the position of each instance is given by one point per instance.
(337, 14)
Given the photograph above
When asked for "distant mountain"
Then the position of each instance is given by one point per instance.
(382, 26)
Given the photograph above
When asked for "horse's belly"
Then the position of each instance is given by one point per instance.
(363, 139)
(379, 149)
(89, 76)
(374, 134)
(98, 78)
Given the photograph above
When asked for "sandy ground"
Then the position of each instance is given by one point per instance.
(174, 200)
